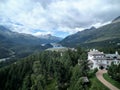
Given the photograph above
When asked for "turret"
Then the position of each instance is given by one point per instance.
(116, 53)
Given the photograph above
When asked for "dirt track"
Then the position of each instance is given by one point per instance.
(99, 75)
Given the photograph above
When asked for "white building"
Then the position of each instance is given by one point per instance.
(98, 59)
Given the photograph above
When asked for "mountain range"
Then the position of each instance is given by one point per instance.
(22, 44)
(22, 38)
(95, 37)
(49, 37)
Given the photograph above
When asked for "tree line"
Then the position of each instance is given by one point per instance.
(114, 71)
(47, 70)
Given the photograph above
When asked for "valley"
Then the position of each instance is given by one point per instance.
(104, 36)
(22, 44)
(59, 45)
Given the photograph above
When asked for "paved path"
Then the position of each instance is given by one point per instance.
(99, 75)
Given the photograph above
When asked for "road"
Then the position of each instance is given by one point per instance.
(99, 75)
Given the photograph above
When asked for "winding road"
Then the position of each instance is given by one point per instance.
(99, 75)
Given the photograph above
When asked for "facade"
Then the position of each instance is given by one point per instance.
(98, 59)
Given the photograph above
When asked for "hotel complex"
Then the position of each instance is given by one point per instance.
(99, 59)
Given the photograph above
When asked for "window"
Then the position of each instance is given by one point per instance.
(115, 57)
(107, 62)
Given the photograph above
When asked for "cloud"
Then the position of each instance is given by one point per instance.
(56, 16)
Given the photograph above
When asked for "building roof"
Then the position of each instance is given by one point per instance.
(90, 62)
(103, 56)
(99, 58)
(112, 56)
(95, 52)
(85, 79)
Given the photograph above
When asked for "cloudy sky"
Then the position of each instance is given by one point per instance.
(56, 17)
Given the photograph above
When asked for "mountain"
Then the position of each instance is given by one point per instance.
(19, 43)
(50, 38)
(116, 20)
(14, 37)
(95, 37)
(22, 38)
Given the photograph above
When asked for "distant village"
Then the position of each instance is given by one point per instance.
(59, 47)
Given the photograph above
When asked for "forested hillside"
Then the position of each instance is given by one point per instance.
(48, 71)
(95, 37)
(21, 44)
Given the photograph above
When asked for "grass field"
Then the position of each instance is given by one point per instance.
(109, 79)
(97, 85)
